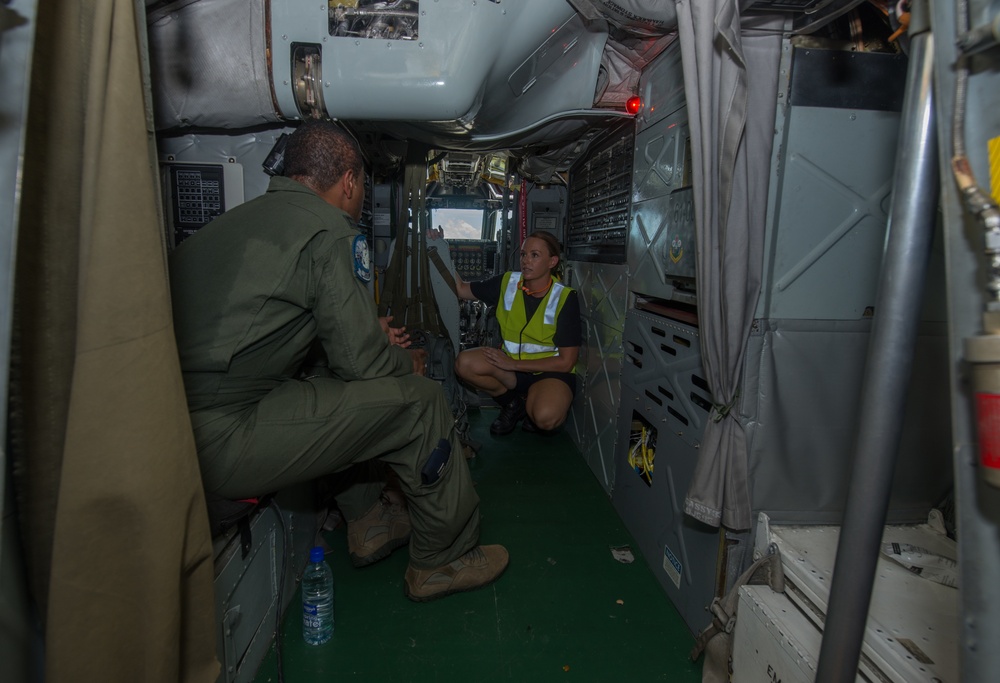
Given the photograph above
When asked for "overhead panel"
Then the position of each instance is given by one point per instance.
(484, 70)
(209, 66)
(370, 71)
(424, 60)
(559, 76)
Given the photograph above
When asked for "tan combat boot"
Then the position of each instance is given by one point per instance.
(477, 568)
(378, 532)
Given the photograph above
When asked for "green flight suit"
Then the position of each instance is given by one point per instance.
(251, 293)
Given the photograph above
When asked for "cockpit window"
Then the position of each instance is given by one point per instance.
(458, 224)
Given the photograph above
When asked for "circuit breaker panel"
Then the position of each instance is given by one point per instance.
(599, 200)
(197, 193)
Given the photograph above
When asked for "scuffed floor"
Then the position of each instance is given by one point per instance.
(566, 609)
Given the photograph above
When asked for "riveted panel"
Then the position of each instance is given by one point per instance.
(592, 422)
(830, 201)
(603, 291)
(661, 87)
(661, 240)
(247, 579)
(681, 552)
(660, 162)
(662, 363)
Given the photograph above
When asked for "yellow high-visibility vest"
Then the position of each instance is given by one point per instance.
(525, 339)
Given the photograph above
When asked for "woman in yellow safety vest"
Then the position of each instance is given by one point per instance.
(533, 375)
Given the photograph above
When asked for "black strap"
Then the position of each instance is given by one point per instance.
(224, 514)
(438, 262)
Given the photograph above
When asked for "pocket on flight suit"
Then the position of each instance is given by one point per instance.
(435, 466)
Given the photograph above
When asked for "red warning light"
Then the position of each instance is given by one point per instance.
(633, 105)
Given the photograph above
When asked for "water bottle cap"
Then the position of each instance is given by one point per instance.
(316, 554)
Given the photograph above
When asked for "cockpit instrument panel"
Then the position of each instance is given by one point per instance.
(473, 259)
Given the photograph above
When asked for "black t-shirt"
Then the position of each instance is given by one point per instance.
(569, 332)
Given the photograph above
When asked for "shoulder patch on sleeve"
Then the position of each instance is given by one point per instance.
(362, 259)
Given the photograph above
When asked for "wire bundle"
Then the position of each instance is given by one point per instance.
(642, 450)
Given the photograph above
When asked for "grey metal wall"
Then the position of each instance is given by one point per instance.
(832, 171)
(547, 209)
(659, 207)
(663, 388)
(799, 407)
(831, 183)
(245, 151)
(592, 422)
(637, 363)
(661, 239)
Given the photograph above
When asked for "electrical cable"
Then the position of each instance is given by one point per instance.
(642, 452)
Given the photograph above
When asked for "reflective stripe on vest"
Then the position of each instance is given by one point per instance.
(532, 349)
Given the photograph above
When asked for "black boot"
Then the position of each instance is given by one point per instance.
(510, 415)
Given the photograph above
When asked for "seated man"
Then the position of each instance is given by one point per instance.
(251, 292)
(533, 375)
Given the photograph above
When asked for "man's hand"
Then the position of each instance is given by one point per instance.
(419, 357)
(398, 336)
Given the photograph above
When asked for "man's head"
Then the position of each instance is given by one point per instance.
(325, 159)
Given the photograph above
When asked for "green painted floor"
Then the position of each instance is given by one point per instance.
(564, 610)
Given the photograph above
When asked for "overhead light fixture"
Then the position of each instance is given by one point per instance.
(633, 105)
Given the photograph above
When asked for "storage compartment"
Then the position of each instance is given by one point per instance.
(248, 572)
(912, 629)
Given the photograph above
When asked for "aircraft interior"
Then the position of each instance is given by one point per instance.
(780, 220)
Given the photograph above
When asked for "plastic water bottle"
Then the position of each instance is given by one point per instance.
(317, 599)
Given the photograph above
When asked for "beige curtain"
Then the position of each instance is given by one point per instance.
(112, 510)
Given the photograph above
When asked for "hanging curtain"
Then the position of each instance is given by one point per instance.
(107, 483)
(730, 81)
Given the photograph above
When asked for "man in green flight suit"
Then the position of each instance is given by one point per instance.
(252, 291)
